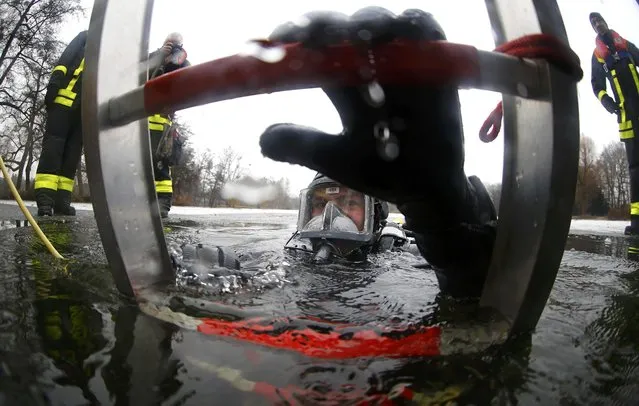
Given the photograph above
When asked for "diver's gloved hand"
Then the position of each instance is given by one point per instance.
(425, 175)
(207, 257)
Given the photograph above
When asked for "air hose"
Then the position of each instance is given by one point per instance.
(26, 213)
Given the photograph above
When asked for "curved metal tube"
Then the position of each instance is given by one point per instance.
(118, 158)
(542, 138)
(541, 155)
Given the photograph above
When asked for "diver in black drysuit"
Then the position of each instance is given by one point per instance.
(451, 215)
(335, 223)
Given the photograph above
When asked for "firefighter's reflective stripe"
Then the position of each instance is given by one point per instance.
(65, 183)
(67, 96)
(61, 68)
(634, 208)
(164, 186)
(625, 130)
(157, 122)
(633, 72)
(625, 126)
(601, 94)
(46, 181)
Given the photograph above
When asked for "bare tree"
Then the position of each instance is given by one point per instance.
(227, 169)
(613, 175)
(587, 177)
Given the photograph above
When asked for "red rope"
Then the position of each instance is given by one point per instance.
(541, 46)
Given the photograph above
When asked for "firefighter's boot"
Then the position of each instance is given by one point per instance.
(165, 200)
(63, 204)
(45, 199)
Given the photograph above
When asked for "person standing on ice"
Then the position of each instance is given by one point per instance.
(62, 141)
(614, 59)
(170, 57)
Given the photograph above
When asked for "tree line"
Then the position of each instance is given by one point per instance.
(203, 178)
(603, 182)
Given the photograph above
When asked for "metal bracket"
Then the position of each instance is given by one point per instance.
(541, 127)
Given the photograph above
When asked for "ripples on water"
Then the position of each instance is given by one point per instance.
(66, 337)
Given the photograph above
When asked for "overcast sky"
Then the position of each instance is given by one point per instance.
(215, 29)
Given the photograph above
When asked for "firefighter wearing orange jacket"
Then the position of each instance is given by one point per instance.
(614, 59)
(62, 141)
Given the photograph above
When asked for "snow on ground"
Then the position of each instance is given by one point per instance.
(607, 227)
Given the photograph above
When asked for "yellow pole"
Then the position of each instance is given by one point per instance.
(26, 212)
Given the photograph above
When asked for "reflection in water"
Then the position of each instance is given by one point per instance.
(6, 224)
(612, 340)
(66, 337)
(140, 369)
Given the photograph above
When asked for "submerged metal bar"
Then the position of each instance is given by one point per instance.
(539, 177)
(119, 158)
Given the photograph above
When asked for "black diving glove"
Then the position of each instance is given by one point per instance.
(191, 256)
(420, 169)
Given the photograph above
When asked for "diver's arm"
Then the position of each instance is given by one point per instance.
(459, 256)
(209, 256)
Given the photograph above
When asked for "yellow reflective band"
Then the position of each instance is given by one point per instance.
(157, 118)
(65, 184)
(63, 101)
(79, 69)
(626, 134)
(61, 68)
(625, 126)
(601, 94)
(67, 93)
(613, 73)
(634, 208)
(633, 71)
(622, 100)
(633, 250)
(46, 181)
(625, 130)
(156, 127)
(164, 186)
(600, 59)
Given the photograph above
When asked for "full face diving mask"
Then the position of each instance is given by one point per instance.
(336, 219)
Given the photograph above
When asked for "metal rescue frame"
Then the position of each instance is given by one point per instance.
(541, 126)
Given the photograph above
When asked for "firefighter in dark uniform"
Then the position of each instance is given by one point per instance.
(62, 141)
(614, 59)
(171, 56)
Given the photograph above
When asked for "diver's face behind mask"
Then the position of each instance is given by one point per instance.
(336, 219)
